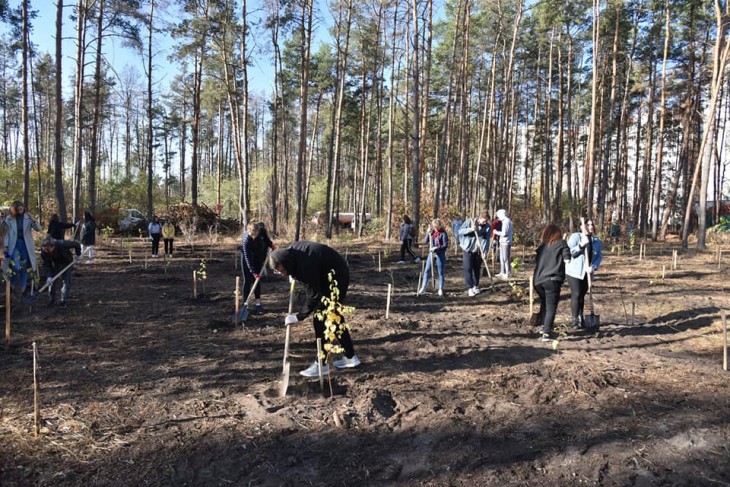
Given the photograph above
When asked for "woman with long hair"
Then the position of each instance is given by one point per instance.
(549, 275)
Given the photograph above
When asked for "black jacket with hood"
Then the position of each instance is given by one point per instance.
(310, 263)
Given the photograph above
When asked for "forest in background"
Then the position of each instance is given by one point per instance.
(616, 109)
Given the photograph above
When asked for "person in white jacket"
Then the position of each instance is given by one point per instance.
(505, 244)
(19, 246)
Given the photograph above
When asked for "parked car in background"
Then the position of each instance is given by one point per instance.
(346, 220)
(131, 219)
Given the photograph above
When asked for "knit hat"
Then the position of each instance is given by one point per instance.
(501, 214)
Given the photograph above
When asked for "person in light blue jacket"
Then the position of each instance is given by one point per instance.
(473, 234)
(19, 246)
(586, 251)
(505, 244)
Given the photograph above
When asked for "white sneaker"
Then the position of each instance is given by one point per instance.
(347, 363)
(401, 261)
(418, 259)
(471, 292)
(441, 292)
(421, 291)
(313, 370)
(476, 290)
(89, 262)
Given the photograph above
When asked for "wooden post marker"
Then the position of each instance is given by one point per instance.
(319, 362)
(36, 394)
(719, 259)
(380, 268)
(195, 284)
(145, 262)
(724, 341)
(130, 255)
(7, 313)
(237, 294)
(387, 303)
(633, 313)
(532, 297)
(674, 263)
(664, 269)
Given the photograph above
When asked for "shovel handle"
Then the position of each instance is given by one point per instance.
(59, 274)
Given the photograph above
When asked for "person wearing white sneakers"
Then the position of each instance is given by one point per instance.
(310, 263)
(505, 244)
(88, 236)
(155, 231)
(438, 239)
(472, 255)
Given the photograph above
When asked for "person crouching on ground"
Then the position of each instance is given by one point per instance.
(56, 256)
(582, 244)
(88, 236)
(406, 240)
(552, 256)
(310, 263)
(472, 234)
(439, 244)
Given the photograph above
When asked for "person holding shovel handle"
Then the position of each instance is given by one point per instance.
(56, 256)
(254, 247)
(438, 240)
(473, 234)
(586, 251)
(310, 264)
(551, 258)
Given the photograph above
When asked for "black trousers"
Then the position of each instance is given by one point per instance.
(168, 245)
(319, 328)
(248, 281)
(549, 292)
(155, 243)
(578, 290)
(405, 246)
(472, 268)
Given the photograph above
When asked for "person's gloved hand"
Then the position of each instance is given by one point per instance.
(583, 240)
(591, 269)
(433, 249)
(290, 319)
(78, 258)
(49, 281)
(257, 276)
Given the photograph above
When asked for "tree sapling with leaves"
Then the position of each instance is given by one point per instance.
(319, 269)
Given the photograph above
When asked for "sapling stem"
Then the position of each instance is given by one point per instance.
(237, 294)
(319, 362)
(195, 284)
(531, 294)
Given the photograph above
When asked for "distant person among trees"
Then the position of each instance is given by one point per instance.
(56, 256)
(310, 263)
(505, 244)
(168, 236)
(405, 234)
(438, 242)
(551, 258)
(57, 228)
(582, 244)
(155, 231)
(19, 246)
(472, 234)
(88, 236)
(456, 224)
(254, 246)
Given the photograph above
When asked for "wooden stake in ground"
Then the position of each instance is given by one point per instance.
(319, 362)
(145, 262)
(36, 394)
(674, 263)
(195, 284)
(633, 313)
(7, 313)
(664, 270)
(287, 365)
(719, 259)
(724, 347)
(380, 268)
(387, 303)
(130, 255)
(237, 294)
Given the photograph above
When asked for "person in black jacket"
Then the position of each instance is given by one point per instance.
(56, 256)
(310, 263)
(88, 236)
(549, 275)
(57, 228)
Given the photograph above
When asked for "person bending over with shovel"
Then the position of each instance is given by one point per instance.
(586, 255)
(57, 258)
(310, 263)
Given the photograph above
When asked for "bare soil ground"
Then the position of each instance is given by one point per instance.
(143, 385)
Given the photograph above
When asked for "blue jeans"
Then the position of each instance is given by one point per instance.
(20, 263)
(440, 263)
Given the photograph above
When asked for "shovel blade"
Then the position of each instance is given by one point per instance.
(284, 380)
(592, 322)
(243, 314)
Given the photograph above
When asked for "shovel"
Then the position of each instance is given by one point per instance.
(244, 313)
(484, 259)
(593, 320)
(32, 297)
(287, 365)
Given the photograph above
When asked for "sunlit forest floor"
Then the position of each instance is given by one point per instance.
(143, 384)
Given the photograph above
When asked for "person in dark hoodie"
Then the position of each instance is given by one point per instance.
(310, 263)
(56, 255)
(552, 255)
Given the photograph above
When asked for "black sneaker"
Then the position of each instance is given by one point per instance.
(62, 304)
(259, 309)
